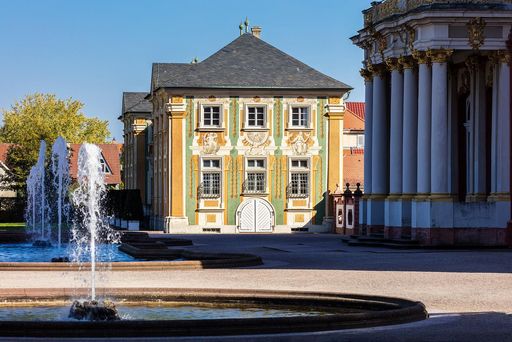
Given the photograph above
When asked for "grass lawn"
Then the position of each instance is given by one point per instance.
(12, 225)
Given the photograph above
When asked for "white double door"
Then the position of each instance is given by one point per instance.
(255, 215)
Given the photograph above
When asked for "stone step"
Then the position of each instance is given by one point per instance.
(382, 244)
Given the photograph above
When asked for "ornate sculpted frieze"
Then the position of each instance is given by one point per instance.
(389, 8)
(476, 28)
(256, 141)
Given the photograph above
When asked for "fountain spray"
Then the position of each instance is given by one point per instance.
(61, 181)
(37, 207)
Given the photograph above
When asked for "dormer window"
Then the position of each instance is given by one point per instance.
(104, 166)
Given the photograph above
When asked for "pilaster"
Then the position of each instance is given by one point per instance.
(176, 110)
(335, 111)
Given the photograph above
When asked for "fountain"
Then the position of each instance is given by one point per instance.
(90, 227)
(159, 312)
(60, 182)
(37, 212)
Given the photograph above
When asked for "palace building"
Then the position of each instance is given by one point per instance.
(438, 119)
(247, 140)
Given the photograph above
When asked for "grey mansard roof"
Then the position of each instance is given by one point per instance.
(247, 62)
(135, 102)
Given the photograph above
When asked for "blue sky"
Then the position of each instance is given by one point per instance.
(93, 50)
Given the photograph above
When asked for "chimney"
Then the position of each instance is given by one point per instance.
(256, 31)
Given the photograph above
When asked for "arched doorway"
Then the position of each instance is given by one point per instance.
(255, 215)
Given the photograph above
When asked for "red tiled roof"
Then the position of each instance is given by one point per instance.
(354, 116)
(357, 108)
(4, 147)
(111, 154)
(353, 166)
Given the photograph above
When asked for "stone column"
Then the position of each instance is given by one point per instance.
(479, 122)
(410, 141)
(494, 129)
(410, 127)
(424, 117)
(368, 82)
(380, 140)
(368, 126)
(439, 136)
(396, 125)
(503, 148)
(380, 151)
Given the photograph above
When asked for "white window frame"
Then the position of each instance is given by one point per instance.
(265, 116)
(105, 168)
(210, 169)
(256, 169)
(221, 111)
(360, 140)
(290, 116)
(303, 170)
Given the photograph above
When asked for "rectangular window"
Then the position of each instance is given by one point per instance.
(299, 186)
(211, 179)
(299, 179)
(256, 117)
(300, 117)
(255, 181)
(211, 116)
(360, 140)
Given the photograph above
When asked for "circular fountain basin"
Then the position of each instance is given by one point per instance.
(179, 312)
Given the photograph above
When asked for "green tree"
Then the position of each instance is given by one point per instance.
(44, 117)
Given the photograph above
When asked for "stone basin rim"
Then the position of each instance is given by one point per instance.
(386, 311)
(209, 260)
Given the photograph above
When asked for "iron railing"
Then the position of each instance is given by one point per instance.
(210, 191)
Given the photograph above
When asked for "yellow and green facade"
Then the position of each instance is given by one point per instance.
(235, 157)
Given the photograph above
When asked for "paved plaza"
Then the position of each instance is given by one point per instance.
(468, 293)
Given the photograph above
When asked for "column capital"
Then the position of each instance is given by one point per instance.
(378, 70)
(407, 62)
(494, 58)
(439, 55)
(421, 57)
(393, 64)
(504, 57)
(366, 74)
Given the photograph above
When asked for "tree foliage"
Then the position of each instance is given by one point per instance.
(44, 117)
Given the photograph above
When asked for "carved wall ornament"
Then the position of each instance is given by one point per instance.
(406, 62)
(421, 57)
(177, 99)
(257, 141)
(411, 37)
(476, 29)
(366, 74)
(300, 143)
(212, 98)
(392, 64)
(210, 144)
(505, 57)
(334, 100)
(382, 43)
(256, 99)
(439, 55)
(300, 99)
(379, 70)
